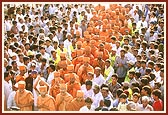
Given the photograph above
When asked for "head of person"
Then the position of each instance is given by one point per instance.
(96, 89)
(43, 90)
(123, 98)
(63, 89)
(88, 84)
(79, 95)
(86, 61)
(88, 102)
(114, 78)
(21, 86)
(105, 91)
(145, 101)
(107, 63)
(156, 94)
(136, 97)
(34, 73)
(97, 71)
(146, 90)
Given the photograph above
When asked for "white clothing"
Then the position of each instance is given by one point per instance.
(96, 99)
(67, 43)
(99, 80)
(87, 93)
(7, 89)
(84, 108)
(11, 100)
(50, 78)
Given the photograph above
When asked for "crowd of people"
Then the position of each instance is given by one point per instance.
(83, 57)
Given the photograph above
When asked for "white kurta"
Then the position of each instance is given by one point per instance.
(84, 108)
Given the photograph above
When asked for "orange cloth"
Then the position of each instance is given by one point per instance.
(61, 64)
(22, 68)
(99, 63)
(62, 101)
(46, 103)
(77, 60)
(75, 105)
(108, 46)
(85, 44)
(20, 78)
(23, 99)
(123, 29)
(105, 54)
(83, 72)
(78, 66)
(68, 75)
(55, 89)
(63, 72)
(72, 88)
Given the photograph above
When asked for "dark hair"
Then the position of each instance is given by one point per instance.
(157, 92)
(88, 100)
(44, 60)
(119, 92)
(38, 56)
(13, 62)
(135, 90)
(88, 82)
(107, 103)
(6, 74)
(147, 88)
(115, 75)
(52, 66)
(123, 95)
(8, 68)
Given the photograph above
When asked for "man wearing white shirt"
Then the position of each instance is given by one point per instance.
(7, 85)
(8, 24)
(11, 104)
(157, 72)
(129, 55)
(52, 9)
(98, 77)
(77, 28)
(142, 23)
(97, 96)
(87, 89)
(68, 41)
(49, 47)
(88, 105)
(51, 74)
(135, 16)
(43, 52)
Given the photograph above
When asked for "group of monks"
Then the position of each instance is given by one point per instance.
(62, 90)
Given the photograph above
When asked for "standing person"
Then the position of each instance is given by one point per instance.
(84, 69)
(63, 98)
(87, 89)
(158, 104)
(24, 98)
(11, 104)
(97, 96)
(7, 85)
(51, 74)
(98, 77)
(114, 85)
(73, 86)
(45, 102)
(109, 71)
(121, 66)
